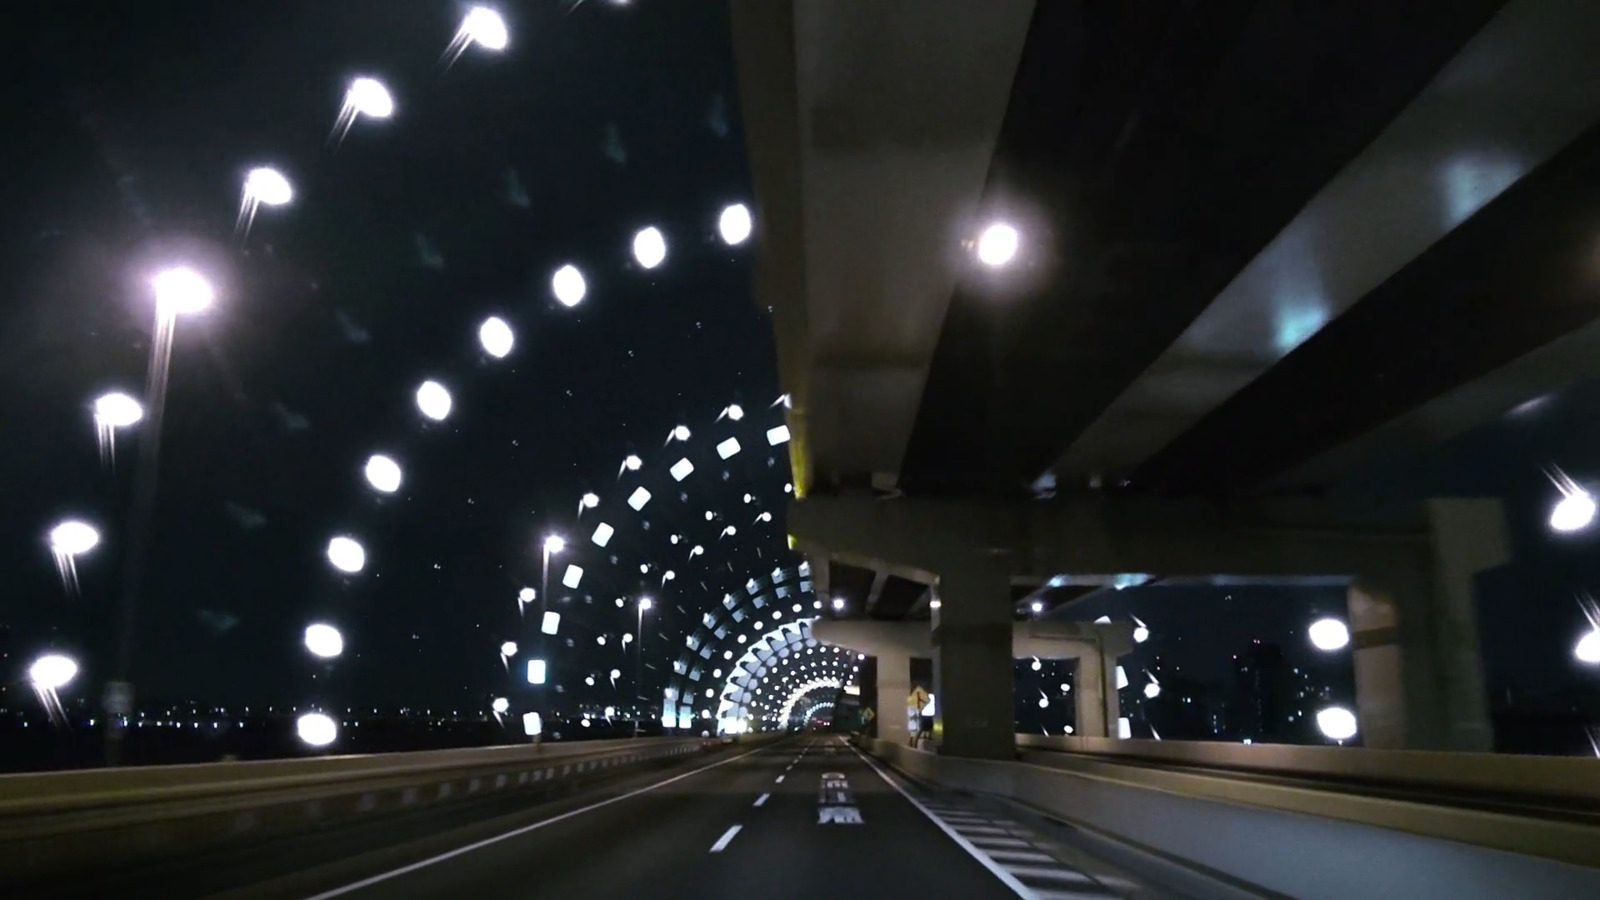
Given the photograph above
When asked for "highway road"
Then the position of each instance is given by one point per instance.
(805, 817)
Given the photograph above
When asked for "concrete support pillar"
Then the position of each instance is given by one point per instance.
(1095, 704)
(894, 686)
(1414, 626)
(972, 661)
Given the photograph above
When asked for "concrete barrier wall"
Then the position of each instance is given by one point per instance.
(1569, 780)
(54, 821)
(1280, 837)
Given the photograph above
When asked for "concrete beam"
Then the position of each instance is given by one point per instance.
(1101, 534)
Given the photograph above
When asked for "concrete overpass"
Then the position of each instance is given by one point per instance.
(1261, 246)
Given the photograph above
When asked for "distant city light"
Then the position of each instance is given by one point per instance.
(997, 245)
(644, 604)
(734, 224)
(1337, 723)
(433, 400)
(1328, 634)
(369, 97)
(495, 336)
(347, 555)
(52, 672)
(649, 248)
(317, 730)
(383, 474)
(838, 603)
(568, 286)
(554, 544)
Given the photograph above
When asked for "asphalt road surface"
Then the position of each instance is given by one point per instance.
(802, 818)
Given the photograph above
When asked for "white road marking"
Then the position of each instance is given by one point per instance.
(780, 779)
(516, 832)
(1006, 878)
(762, 799)
(726, 839)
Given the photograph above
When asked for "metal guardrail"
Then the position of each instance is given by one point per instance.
(51, 822)
(1291, 838)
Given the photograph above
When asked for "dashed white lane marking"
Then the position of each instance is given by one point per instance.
(761, 799)
(726, 839)
(516, 832)
(780, 780)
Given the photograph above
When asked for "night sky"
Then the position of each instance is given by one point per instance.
(127, 154)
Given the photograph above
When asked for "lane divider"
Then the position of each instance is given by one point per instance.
(761, 800)
(726, 839)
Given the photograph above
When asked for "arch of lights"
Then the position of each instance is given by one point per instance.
(687, 613)
(813, 709)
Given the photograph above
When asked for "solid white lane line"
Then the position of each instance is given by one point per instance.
(762, 799)
(516, 832)
(726, 839)
(1006, 878)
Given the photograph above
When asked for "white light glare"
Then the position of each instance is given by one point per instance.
(117, 410)
(500, 706)
(681, 469)
(778, 435)
(1587, 650)
(383, 474)
(589, 501)
(324, 641)
(347, 555)
(1337, 723)
(496, 337)
(536, 671)
(573, 576)
(368, 97)
(551, 623)
(73, 538)
(728, 448)
(602, 534)
(484, 27)
(531, 726)
(1328, 634)
(1573, 512)
(268, 187)
(632, 463)
(638, 498)
(734, 412)
(508, 649)
(433, 400)
(181, 291)
(997, 245)
(644, 604)
(568, 286)
(555, 543)
(317, 730)
(734, 224)
(838, 603)
(52, 672)
(649, 247)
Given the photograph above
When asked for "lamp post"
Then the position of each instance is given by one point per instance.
(638, 665)
(179, 291)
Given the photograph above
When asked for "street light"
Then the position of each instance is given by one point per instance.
(178, 291)
(643, 605)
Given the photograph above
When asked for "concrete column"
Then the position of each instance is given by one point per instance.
(1414, 626)
(1096, 705)
(972, 661)
(894, 686)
